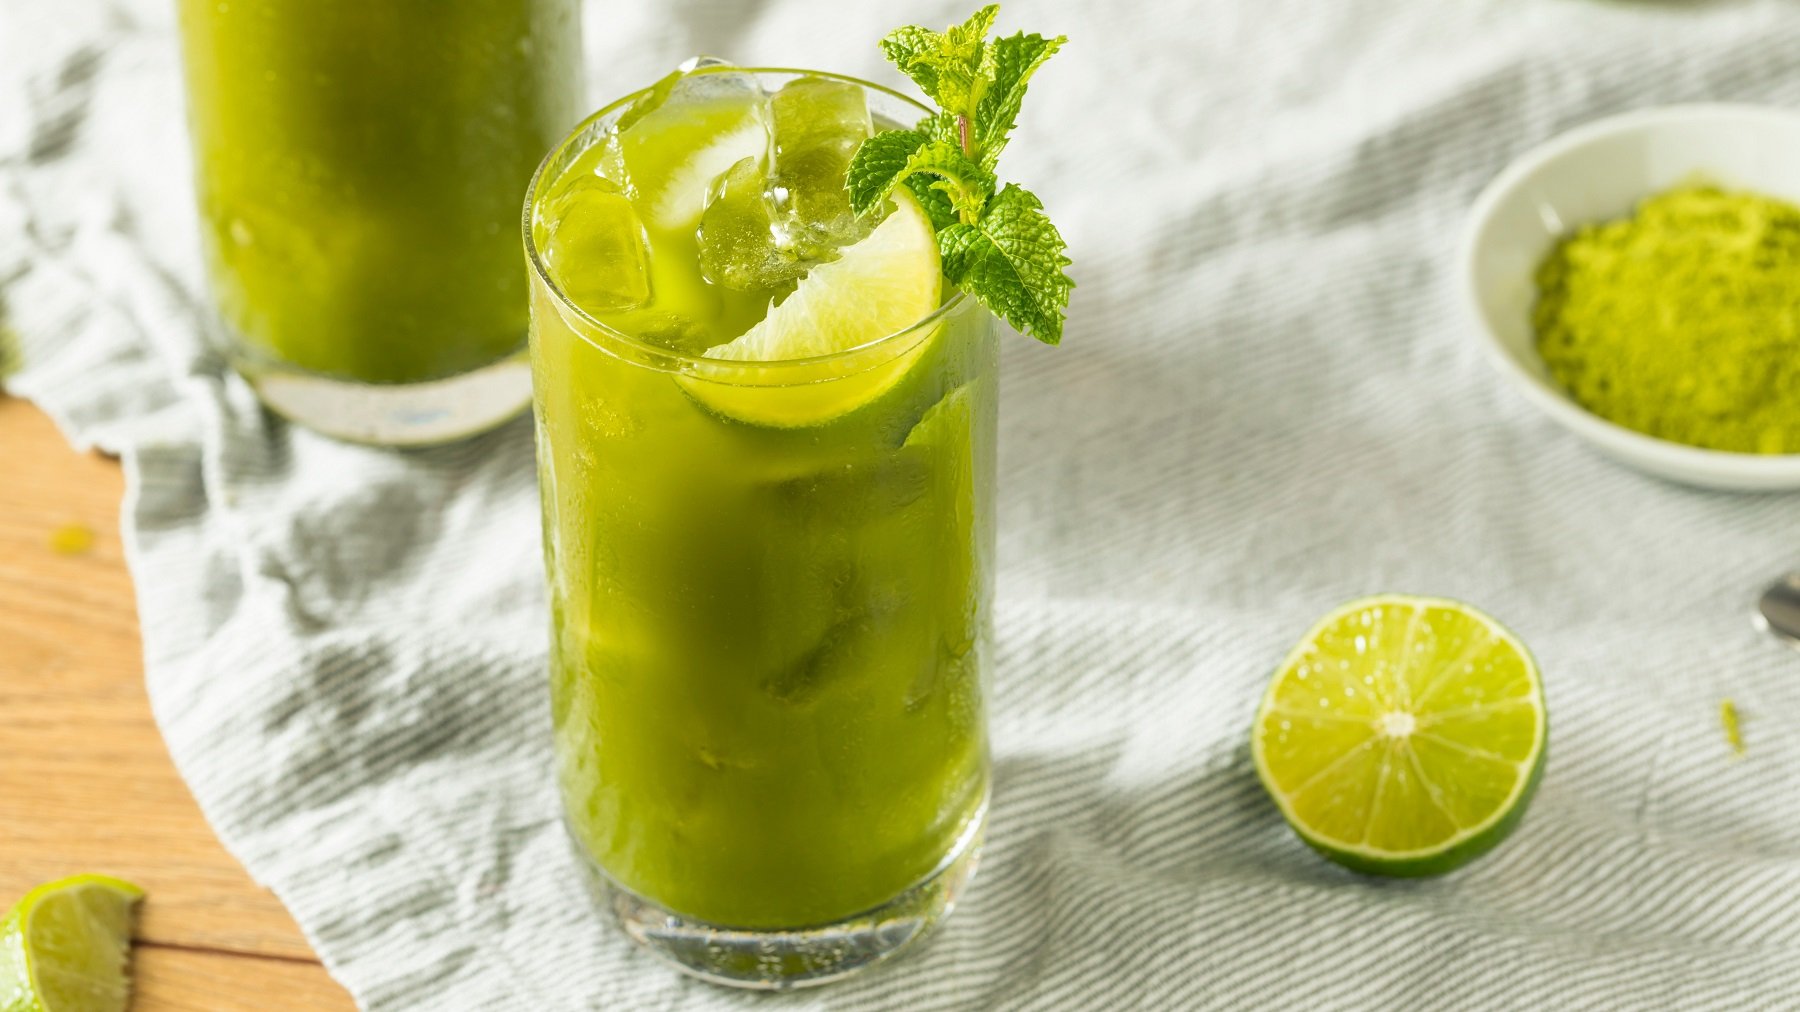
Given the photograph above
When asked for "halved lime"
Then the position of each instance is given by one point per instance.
(64, 947)
(1403, 735)
(876, 287)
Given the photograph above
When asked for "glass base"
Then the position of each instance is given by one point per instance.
(776, 959)
(405, 414)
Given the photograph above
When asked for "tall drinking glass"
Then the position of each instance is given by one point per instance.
(769, 585)
(359, 165)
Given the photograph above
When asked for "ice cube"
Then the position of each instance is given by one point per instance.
(871, 487)
(596, 247)
(817, 125)
(603, 157)
(609, 163)
(739, 245)
(665, 328)
(698, 81)
(946, 664)
(845, 649)
(946, 423)
(710, 109)
(802, 681)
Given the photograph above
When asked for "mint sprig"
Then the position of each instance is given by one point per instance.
(995, 241)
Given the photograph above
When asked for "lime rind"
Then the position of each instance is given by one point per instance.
(65, 945)
(1467, 841)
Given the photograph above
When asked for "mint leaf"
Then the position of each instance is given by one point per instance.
(965, 182)
(877, 165)
(953, 67)
(872, 175)
(1012, 259)
(912, 50)
(969, 62)
(974, 32)
(943, 127)
(1016, 58)
(997, 243)
(935, 202)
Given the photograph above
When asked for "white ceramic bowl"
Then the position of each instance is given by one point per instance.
(1597, 172)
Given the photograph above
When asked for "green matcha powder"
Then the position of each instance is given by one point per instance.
(1682, 322)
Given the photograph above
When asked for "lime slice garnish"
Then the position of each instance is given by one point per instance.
(1403, 735)
(680, 197)
(64, 947)
(881, 285)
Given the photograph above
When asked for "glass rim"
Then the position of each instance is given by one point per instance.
(687, 360)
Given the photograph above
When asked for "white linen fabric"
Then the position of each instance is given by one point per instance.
(1268, 402)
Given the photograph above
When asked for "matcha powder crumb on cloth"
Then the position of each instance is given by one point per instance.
(1728, 718)
(1683, 321)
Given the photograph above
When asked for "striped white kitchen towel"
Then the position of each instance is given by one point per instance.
(1268, 402)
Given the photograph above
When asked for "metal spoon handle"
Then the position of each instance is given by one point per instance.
(1778, 610)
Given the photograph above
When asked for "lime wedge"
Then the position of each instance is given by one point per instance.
(64, 947)
(1403, 735)
(680, 197)
(879, 286)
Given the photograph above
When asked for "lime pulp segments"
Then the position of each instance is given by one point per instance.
(64, 947)
(1403, 736)
(879, 286)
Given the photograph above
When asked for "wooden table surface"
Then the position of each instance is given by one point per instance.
(85, 782)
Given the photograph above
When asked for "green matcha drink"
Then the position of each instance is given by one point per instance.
(359, 167)
(768, 557)
(764, 354)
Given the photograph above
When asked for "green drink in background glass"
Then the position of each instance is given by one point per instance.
(359, 165)
(766, 433)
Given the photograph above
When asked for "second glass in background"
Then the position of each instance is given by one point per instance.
(359, 167)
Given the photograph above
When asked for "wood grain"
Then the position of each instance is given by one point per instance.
(194, 980)
(85, 782)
